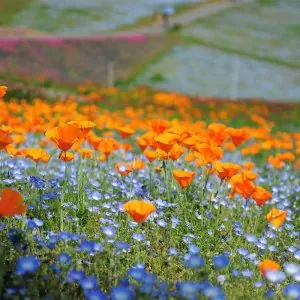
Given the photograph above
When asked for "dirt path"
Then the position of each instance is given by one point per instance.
(205, 10)
(192, 16)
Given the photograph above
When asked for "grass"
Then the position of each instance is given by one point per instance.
(83, 202)
(9, 8)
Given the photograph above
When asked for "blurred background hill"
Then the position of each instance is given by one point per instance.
(236, 49)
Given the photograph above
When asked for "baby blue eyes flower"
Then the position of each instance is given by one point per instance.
(89, 283)
(193, 261)
(121, 293)
(27, 265)
(137, 273)
(275, 276)
(109, 231)
(95, 295)
(63, 258)
(75, 276)
(220, 261)
(292, 291)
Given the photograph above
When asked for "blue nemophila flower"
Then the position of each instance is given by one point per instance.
(109, 231)
(138, 237)
(38, 183)
(88, 283)
(161, 223)
(63, 258)
(121, 293)
(214, 292)
(35, 223)
(122, 247)
(90, 247)
(193, 249)
(292, 291)
(247, 273)
(275, 276)
(27, 265)
(94, 295)
(193, 261)
(291, 268)
(270, 294)
(236, 273)
(188, 289)
(137, 273)
(55, 268)
(220, 261)
(75, 276)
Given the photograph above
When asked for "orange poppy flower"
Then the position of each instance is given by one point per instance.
(108, 146)
(225, 170)
(3, 90)
(189, 157)
(138, 165)
(19, 139)
(11, 203)
(146, 139)
(36, 154)
(139, 210)
(176, 151)
(238, 135)
(5, 139)
(84, 127)
(66, 156)
(159, 126)
(86, 153)
(217, 134)
(125, 131)
(241, 185)
(165, 141)
(11, 150)
(261, 195)
(268, 265)
(94, 141)
(276, 217)
(207, 153)
(123, 168)
(163, 155)
(250, 175)
(248, 165)
(150, 155)
(184, 178)
(63, 136)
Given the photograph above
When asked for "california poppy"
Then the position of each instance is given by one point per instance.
(123, 168)
(36, 154)
(3, 90)
(11, 203)
(225, 170)
(276, 217)
(242, 185)
(165, 141)
(139, 210)
(63, 136)
(238, 135)
(84, 127)
(138, 165)
(261, 195)
(5, 139)
(159, 126)
(217, 134)
(94, 141)
(125, 131)
(207, 153)
(184, 178)
(66, 156)
(268, 265)
(176, 151)
(150, 155)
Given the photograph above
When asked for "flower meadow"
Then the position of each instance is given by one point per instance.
(148, 195)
